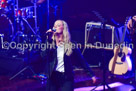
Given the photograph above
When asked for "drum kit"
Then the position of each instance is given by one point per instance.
(13, 20)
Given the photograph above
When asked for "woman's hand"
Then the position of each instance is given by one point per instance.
(49, 31)
(94, 79)
(50, 34)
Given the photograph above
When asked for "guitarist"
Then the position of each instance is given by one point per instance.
(132, 33)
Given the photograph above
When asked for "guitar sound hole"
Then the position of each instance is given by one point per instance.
(122, 55)
(123, 58)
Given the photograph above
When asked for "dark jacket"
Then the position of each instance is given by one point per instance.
(75, 59)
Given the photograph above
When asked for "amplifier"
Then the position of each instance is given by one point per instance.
(97, 36)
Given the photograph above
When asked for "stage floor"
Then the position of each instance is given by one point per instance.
(82, 82)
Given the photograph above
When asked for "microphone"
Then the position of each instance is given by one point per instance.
(50, 33)
(53, 29)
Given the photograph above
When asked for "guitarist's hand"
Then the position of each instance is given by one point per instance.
(130, 23)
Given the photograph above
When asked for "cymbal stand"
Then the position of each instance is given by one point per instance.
(17, 21)
(35, 15)
(17, 18)
(38, 38)
(29, 26)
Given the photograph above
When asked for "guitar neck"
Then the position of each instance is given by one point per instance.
(115, 58)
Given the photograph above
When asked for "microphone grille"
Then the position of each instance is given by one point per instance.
(54, 30)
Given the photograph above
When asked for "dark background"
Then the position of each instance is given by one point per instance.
(77, 12)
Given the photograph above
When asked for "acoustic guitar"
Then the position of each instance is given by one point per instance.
(120, 63)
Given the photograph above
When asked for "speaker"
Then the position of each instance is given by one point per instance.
(98, 43)
(90, 57)
(99, 36)
(96, 57)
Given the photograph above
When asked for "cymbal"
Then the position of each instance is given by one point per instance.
(24, 3)
(40, 1)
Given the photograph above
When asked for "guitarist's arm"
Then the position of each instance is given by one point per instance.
(132, 23)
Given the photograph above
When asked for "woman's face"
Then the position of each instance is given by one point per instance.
(59, 26)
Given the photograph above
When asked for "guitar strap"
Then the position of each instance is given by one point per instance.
(125, 28)
(123, 37)
(119, 36)
(116, 36)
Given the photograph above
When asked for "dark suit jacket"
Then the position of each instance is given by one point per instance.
(75, 59)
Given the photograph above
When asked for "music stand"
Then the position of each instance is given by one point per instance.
(104, 83)
(103, 25)
(26, 66)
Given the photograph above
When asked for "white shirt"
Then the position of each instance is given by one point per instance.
(60, 57)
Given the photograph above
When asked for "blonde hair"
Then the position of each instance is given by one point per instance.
(66, 38)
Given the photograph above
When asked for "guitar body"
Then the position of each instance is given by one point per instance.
(119, 65)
